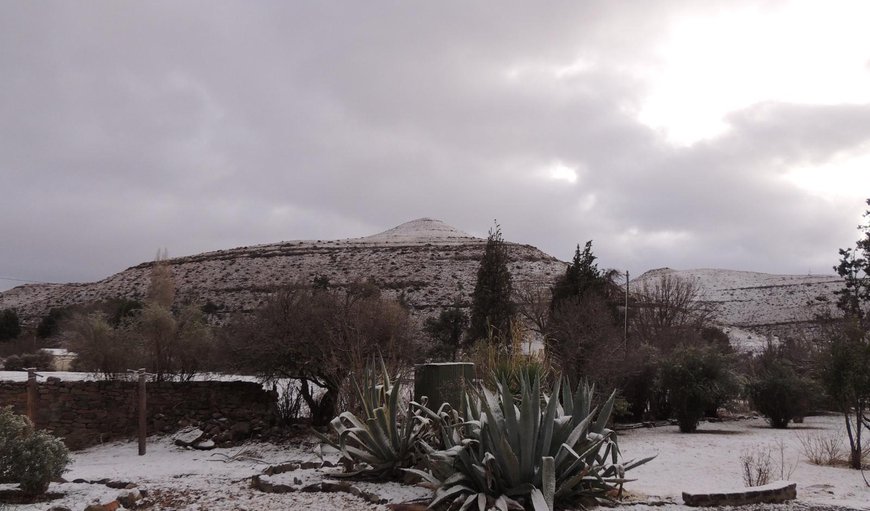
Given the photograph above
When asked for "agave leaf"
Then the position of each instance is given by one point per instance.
(468, 501)
(567, 486)
(357, 455)
(500, 503)
(604, 415)
(583, 398)
(545, 439)
(393, 408)
(452, 491)
(548, 480)
(567, 398)
(433, 482)
(512, 504)
(636, 463)
(527, 434)
(579, 431)
(481, 501)
(538, 502)
(510, 413)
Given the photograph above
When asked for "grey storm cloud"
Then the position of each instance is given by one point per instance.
(126, 127)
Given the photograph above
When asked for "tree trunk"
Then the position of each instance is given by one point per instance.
(322, 410)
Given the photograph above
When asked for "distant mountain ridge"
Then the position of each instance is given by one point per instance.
(426, 262)
(429, 265)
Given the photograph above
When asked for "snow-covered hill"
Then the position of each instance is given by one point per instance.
(752, 305)
(425, 261)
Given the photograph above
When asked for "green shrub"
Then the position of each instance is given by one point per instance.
(779, 394)
(536, 451)
(695, 379)
(29, 457)
(41, 360)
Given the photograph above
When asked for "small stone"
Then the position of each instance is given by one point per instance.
(241, 430)
(204, 445)
(188, 436)
(119, 485)
(130, 498)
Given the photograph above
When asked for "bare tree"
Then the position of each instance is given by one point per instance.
(669, 311)
(533, 305)
(320, 337)
(162, 288)
(100, 347)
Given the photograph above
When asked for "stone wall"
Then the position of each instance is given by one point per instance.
(86, 413)
(773, 493)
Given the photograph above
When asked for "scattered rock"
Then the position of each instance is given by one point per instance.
(241, 430)
(111, 506)
(407, 506)
(346, 487)
(130, 498)
(188, 436)
(119, 485)
(204, 445)
(263, 484)
(283, 468)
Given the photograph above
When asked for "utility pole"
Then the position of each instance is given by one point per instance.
(625, 328)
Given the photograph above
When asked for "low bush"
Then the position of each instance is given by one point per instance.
(29, 457)
(780, 394)
(696, 379)
(822, 448)
(40, 360)
(760, 465)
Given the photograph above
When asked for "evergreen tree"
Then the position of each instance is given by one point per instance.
(581, 277)
(491, 307)
(10, 328)
(845, 370)
(447, 330)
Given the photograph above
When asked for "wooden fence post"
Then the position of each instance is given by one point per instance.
(143, 423)
(32, 394)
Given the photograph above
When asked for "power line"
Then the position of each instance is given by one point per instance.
(15, 279)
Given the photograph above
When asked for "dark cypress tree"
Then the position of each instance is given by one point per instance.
(491, 305)
(9, 325)
(581, 278)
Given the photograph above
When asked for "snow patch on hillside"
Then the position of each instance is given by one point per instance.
(752, 306)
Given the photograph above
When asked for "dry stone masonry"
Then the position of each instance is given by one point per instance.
(87, 413)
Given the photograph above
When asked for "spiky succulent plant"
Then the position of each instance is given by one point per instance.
(502, 453)
(387, 437)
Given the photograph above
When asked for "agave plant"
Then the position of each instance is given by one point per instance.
(537, 451)
(387, 437)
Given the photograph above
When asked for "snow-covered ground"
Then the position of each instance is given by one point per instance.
(710, 460)
(177, 478)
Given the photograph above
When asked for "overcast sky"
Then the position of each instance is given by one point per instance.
(683, 134)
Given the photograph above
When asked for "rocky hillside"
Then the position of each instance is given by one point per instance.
(429, 264)
(752, 305)
(425, 261)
